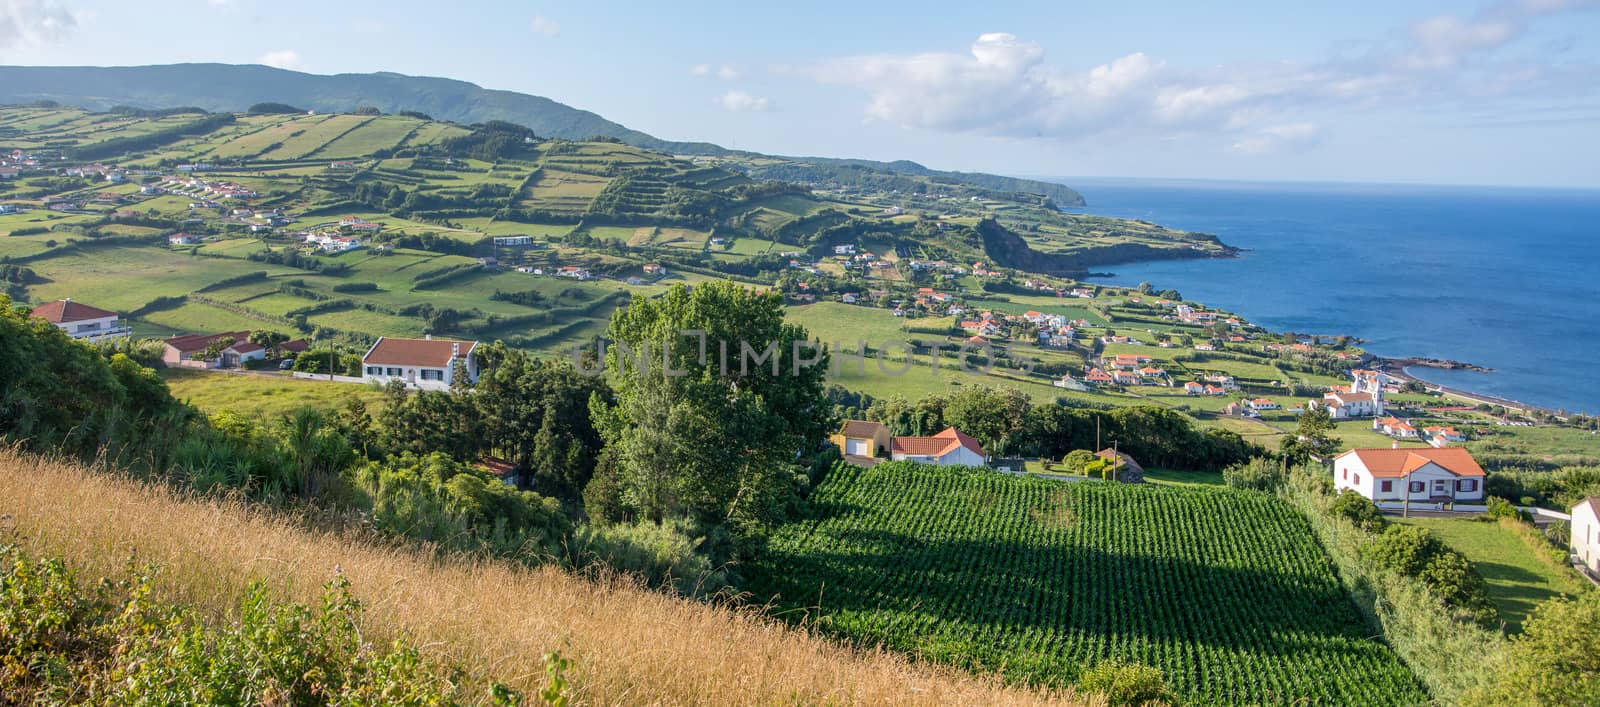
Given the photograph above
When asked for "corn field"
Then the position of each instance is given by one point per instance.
(1226, 592)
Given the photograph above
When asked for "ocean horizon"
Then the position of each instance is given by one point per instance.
(1502, 277)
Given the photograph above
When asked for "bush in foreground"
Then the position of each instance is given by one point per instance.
(62, 642)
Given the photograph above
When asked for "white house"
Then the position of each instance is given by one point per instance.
(1260, 404)
(1586, 533)
(183, 239)
(1363, 399)
(419, 363)
(1422, 475)
(1394, 427)
(512, 241)
(846, 249)
(81, 321)
(947, 448)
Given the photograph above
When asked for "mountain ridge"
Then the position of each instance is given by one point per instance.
(235, 87)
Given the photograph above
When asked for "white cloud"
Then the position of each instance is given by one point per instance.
(544, 25)
(282, 59)
(739, 101)
(24, 22)
(1278, 138)
(1003, 85)
(725, 72)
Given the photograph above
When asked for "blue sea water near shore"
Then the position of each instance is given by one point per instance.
(1503, 278)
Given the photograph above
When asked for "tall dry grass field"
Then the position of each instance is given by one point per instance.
(629, 646)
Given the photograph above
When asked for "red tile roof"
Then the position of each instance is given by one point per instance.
(201, 342)
(501, 468)
(937, 445)
(432, 353)
(1399, 462)
(64, 311)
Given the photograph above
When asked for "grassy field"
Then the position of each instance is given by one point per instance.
(263, 396)
(1517, 579)
(628, 645)
(1227, 593)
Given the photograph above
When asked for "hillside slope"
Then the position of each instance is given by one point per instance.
(232, 87)
(628, 646)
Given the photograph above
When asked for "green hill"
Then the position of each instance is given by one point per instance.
(231, 87)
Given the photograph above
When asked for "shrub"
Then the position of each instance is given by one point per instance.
(665, 555)
(1415, 552)
(1555, 661)
(1260, 474)
(115, 645)
(1125, 683)
(1077, 459)
(1501, 508)
(1359, 510)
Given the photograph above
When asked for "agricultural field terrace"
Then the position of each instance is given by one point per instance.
(1226, 592)
(345, 227)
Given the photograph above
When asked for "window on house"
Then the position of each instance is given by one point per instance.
(374, 370)
(1344, 473)
(429, 374)
(1467, 485)
(393, 371)
(1387, 486)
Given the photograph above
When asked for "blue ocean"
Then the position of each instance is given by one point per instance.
(1504, 278)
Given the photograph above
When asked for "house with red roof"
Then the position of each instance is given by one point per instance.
(1394, 427)
(948, 448)
(80, 321)
(1428, 475)
(1098, 377)
(226, 350)
(1442, 436)
(426, 363)
(1193, 388)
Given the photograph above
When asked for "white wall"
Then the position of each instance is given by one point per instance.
(1586, 537)
(1347, 469)
(94, 328)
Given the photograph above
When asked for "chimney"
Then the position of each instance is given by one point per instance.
(455, 350)
(1395, 444)
(427, 337)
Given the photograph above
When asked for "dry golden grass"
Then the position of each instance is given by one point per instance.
(629, 646)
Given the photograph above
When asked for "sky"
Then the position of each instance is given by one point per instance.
(1423, 91)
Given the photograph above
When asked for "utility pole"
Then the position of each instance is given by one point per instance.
(1405, 485)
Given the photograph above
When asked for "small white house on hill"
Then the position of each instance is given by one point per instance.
(80, 321)
(1586, 534)
(1447, 475)
(419, 363)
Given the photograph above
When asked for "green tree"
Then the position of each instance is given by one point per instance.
(267, 339)
(994, 417)
(1313, 437)
(715, 440)
(1556, 659)
(535, 412)
(1077, 459)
